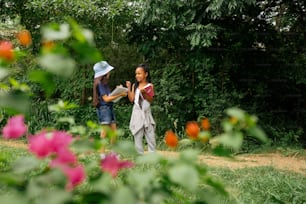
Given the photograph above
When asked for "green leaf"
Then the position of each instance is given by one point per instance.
(62, 105)
(102, 184)
(218, 185)
(151, 158)
(12, 198)
(222, 151)
(78, 129)
(189, 155)
(123, 195)
(125, 148)
(227, 126)
(43, 78)
(87, 53)
(233, 140)
(25, 164)
(69, 120)
(184, 175)
(140, 180)
(258, 133)
(11, 179)
(3, 73)
(14, 102)
(57, 64)
(236, 112)
(53, 196)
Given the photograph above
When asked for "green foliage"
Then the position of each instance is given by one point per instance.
(254, 61)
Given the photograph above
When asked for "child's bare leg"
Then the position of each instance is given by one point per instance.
(114, 128)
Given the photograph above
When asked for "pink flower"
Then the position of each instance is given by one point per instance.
(40, 145)
(60, 140)
(75, 176)
(64, 157)
(15, 127)
(45, 143)
(112, 165)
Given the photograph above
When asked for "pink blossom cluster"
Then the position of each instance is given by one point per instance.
(112, 164)
(15, 128)
(55, 145)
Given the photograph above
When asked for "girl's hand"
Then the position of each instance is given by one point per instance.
(128, 84)
(124, 94)
(143, 91)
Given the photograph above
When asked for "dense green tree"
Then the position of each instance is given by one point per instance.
(216, 54)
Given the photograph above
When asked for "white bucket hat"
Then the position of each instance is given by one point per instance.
(102, 68)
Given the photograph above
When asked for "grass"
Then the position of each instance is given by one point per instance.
(263, 185)
(252, 185)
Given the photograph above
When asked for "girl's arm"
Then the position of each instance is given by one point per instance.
(108, 99)
(131, 93)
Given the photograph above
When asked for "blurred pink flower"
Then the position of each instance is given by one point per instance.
(75, 176)
(64, 157)
(15, 127)
(112, 164)
(45, 143)
(40, 144)
(60, 140)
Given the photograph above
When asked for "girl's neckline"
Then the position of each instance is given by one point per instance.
(141, 86)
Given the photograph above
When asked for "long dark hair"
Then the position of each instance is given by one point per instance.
(145, 67)
(96, 82)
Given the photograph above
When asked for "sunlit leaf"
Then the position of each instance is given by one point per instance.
(236, 112)
(51, 33)
(57, 64)
(69, 120)
(233, 140)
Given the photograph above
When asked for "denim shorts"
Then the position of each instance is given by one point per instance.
(106, 115)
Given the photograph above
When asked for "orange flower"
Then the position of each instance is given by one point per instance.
(171, 139)
(24, 38)
(6, 50)
(192, 129)
(205, 124)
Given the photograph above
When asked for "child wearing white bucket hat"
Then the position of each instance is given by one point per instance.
(101, 95)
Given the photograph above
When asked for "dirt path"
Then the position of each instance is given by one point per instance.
(276, 160)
